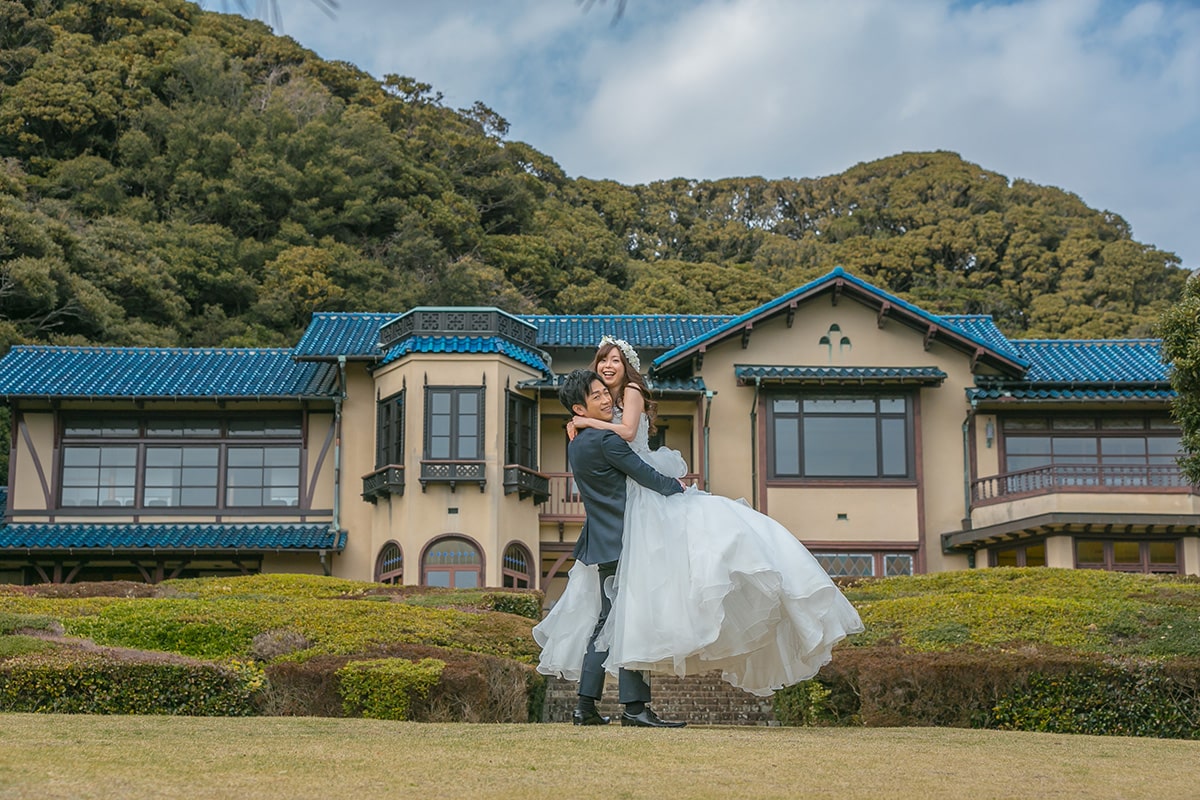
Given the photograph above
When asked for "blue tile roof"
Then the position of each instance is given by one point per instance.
(839, 375)
(466, 344)
(983, 328)
(174, 536)
(1093, 360)
(1046, 393)
(354, 335)
(160, 372)
(782, 302)
(643, 331)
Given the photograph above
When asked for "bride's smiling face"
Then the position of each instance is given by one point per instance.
(611, 368)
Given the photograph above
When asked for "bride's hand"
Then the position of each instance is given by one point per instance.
(581, 422)
(571, 431)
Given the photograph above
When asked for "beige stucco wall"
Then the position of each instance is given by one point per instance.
(1086, 503)
(416, 519)
(875, 513)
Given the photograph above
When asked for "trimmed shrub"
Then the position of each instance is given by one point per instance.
(1118, 698)
(93, 683)
(13, 622)
(384, 688)
(18, 645)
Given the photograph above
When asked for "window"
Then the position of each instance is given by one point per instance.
(521, 441)
(453, 562)
(1028, 555)
(389, 424)
(1133, 451)
(454, 424)
(865, 565)
(1117, 555)
(840, 436)
(389, 567)
(516, 571)
(161, 461)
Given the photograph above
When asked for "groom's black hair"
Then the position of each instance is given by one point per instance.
(575, 388)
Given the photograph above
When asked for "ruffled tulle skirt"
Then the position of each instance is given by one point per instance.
(705, 583)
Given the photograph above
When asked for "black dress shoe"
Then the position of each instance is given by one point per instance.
(588, 718)
(648, 719)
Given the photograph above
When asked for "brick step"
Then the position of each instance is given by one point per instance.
(699, 699)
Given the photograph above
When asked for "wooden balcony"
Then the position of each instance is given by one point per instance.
(1056, 478)
(383, 482)
(563, 503)
(526, 483)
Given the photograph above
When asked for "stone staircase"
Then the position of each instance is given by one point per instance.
(698, 699)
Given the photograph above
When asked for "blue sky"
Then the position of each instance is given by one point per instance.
(1098, 97)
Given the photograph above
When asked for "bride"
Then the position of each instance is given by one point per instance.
(705, 583)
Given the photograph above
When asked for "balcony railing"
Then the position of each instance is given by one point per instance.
(526, 483)
(453, 473)
(383, 482)
(563, 502)
(1077, 478)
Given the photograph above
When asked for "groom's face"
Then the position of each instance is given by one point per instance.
(599, 403)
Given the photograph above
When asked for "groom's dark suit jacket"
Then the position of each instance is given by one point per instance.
(600, 461)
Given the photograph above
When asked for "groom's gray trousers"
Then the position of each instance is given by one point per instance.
(631, 685)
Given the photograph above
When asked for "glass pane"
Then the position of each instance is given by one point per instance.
(1123, 445)
(437, 578)
(244, 476)
(161, 477)
(245, 457)
(1024, 424)
(897, 564)
(1123, 424)
(118, 456)
(468, 402)
(80, 496)
(1127, 553)
(200, 456)
(199, 496)
(244, 497)
(163, 457)
(786, 405)
(281, 457)
(161, 497)
(439, 402)
(1164, 445)
(439, 426)
(840, 447)
(839, 405)
(1035, 555)
(1073, 446)
(892, 405)
(1073, 424)
(1089, 552)
(81, 456)
(1162, 422)
(466, 579)
(1018, 463)
(847, 565)
(80, 476)
(895, 450)
(787, 446)
(281, 476)
(1006, 558)
(439, 447)
(468, 447)
(1027, 445)
(199, 476)
(1163, 553)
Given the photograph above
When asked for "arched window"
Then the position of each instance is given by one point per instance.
(516, 571)
(389, 567)
(454, 562)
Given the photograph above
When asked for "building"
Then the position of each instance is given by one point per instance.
(429, 447)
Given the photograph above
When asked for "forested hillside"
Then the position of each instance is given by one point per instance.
(170, 176)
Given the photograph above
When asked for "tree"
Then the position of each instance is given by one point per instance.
(1180, 332)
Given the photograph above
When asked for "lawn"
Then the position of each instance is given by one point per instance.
(59, 756)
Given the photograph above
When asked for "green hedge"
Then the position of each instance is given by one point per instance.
(385, 688)
(81, 683)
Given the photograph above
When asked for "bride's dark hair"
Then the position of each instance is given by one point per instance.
(632, 378)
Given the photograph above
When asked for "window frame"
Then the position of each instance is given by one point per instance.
(800, 395)
(389, 430)
(521, 430)
(144, 433)
(455, 433)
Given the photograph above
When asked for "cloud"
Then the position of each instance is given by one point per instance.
(1099, 97)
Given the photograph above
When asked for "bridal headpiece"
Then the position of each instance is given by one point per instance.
(626, 349)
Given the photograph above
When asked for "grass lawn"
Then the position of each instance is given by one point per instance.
(54, 756)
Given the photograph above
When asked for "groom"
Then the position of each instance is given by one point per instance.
(600, 461)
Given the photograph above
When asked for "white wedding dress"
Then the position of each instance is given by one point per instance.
(704, 583)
